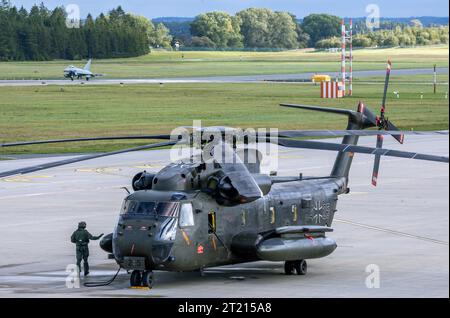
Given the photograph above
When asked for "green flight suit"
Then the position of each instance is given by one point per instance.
(81, 238)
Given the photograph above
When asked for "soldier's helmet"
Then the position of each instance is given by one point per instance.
(82, 225)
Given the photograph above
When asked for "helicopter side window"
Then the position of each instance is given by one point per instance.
(144, 208)
(131, 207)
(186, 215)
(167, 209)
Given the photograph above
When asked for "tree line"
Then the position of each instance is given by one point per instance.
(260, 28)
(264, 28)
(399, 36)
(42, 34)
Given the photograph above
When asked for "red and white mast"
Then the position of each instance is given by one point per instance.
(343, 43)
(350, 40)
(347, 37)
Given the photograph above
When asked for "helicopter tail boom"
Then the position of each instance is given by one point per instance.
(357, 120)
(364, 118)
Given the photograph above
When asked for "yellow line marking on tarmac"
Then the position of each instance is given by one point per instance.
(98, 170)
(290, 157)
(29, 178)
(398, 233)
(150, 166)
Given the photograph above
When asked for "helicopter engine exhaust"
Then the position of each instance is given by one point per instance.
(221, 187)
(142, 181)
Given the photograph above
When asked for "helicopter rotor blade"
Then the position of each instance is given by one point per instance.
(376, 163)
(282, 134)
(82, 158)
(52, 141)
(386, 83)
(317, 145)
(400, 136)
(338, 133)
(338, 111)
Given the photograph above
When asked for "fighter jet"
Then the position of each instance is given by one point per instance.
(72, 72)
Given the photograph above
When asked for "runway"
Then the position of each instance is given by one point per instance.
(400, 228)
(212, 79)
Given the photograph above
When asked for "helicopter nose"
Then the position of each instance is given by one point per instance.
(141, 238)
(134, 237)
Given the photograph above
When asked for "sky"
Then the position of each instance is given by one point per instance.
(301, 8)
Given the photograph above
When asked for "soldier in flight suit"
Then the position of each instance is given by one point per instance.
(81, 238)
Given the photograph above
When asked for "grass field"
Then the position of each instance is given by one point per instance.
(75, 111)
(183, 64)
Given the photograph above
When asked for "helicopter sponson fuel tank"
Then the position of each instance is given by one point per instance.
(285, 243)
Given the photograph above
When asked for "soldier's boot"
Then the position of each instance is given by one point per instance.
(86, 268)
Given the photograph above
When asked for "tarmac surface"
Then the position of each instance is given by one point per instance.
(400, 229)
(213, 79)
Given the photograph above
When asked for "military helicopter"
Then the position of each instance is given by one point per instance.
(197, 213)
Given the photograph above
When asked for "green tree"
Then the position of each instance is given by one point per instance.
(162, 38)
(58, 30)
(202, 41)
(7, 49)
(283, 31)
(90, 36)
(255, 27)
(321, 26)
(219, 27)
(333, 42)
(264, 28)
(361, 40)
(390, 40)
(142, 23)
(302, 37)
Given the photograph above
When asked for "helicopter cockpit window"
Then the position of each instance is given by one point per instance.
(186, 215)
(168, 209)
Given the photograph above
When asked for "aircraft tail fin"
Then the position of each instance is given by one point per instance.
(87, 67)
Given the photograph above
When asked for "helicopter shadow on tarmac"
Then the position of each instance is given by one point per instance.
(54, 282)
(264, 271)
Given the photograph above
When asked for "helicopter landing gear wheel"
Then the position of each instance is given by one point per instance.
(135, 278)
(301, 267)
(289, 267)
(147, 279)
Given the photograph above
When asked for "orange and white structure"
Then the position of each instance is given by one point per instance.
(331, 89)
(347, 38)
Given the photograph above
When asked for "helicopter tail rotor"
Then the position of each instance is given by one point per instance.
(383, 123)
